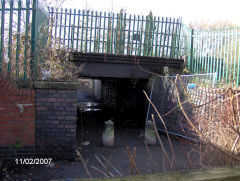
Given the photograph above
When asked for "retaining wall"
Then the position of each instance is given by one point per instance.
(38, 122)
(17, 121)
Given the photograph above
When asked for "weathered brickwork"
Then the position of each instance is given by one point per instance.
(39, 122)
(17, 121)
(56, 112)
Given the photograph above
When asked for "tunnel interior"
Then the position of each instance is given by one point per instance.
(119, 99)
(125, 103)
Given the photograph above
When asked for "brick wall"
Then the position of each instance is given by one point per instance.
(40, 122)
(56, 112)
(17, 121)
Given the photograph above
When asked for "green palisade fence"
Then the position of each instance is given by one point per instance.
(23, 38)
(21, 22)
(208, 51)
(216, 51)
(116, 33)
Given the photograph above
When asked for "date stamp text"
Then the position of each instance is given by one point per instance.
(33, 161)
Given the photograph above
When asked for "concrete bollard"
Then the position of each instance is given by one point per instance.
(108, 133)
(150, 136)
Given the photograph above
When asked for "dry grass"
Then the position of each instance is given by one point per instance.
(222, 130)
(217, 125)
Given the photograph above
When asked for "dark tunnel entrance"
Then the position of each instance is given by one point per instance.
(118, 99)
(124, 102)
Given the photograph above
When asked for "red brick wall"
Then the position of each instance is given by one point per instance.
(16, 126)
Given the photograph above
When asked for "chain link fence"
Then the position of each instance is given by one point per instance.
(195, 90)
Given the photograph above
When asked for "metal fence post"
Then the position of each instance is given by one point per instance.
(2, 35)
(33, 41)
(190, 61)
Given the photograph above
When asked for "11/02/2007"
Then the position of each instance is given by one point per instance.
(33, 161)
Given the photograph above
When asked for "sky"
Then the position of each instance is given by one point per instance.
(190, 10)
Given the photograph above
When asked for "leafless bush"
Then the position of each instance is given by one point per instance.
(52, 61)
(217, 126)
(56, 64)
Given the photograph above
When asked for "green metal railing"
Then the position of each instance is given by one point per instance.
(101, 32)
(185, 41)
(208, 51)
(19, 31)
(216, 51)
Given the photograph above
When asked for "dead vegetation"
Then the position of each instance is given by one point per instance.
(51, 61)
(216, 123)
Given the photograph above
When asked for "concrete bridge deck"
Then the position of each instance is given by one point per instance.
(102, 65)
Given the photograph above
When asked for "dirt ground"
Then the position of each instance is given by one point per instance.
(133, 137)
